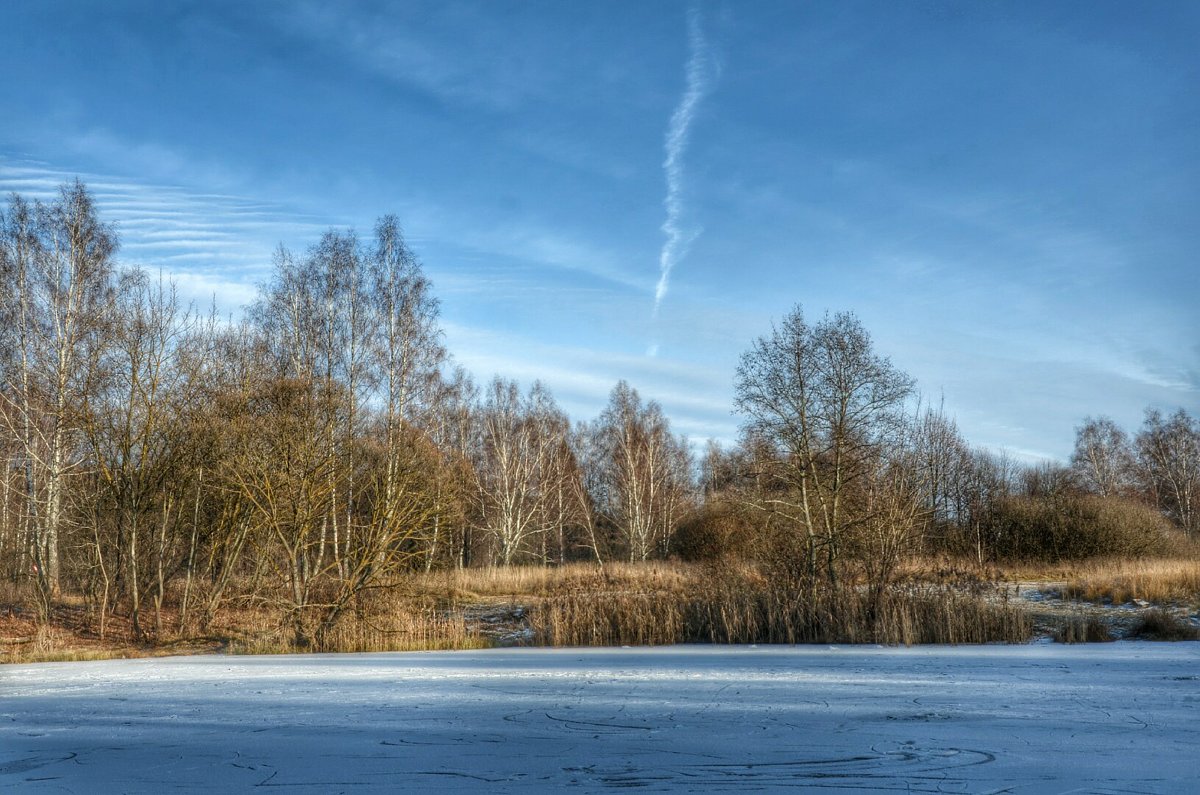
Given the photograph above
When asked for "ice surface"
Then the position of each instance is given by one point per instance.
(1110, 718)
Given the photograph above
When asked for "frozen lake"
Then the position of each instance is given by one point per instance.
(1110, 718)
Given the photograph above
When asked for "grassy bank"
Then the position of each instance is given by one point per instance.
(935, 601)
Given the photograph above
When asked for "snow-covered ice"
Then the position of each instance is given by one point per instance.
(1110, 718)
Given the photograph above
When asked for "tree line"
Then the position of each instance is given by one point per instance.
(321, 445)
(324, 445)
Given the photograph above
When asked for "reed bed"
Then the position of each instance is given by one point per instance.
(1084, 629)
(740, 608)
(1161, 582)
(409, 629)
(1160, 624)
(936, 600)
(521, 581)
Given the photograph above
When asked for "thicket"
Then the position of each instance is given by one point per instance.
(172, 468)
(1074, 526)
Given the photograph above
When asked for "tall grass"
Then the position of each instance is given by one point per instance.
(938, 601)
(740, 608)
(1120, 581)
(409, 629)
(509, 581)
(1160, 625)
(403, 620)
(1084, 629)
(396, 619)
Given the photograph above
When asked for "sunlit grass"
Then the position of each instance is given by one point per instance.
(934, 600)
(1159, 582)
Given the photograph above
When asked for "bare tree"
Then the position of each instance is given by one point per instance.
(830, 407)
(645, 478)
(585, 486)
(312, 323)
(569, 518)
(337, 263)
(450, 423)
(1104, 459)
(979, 480)
(351, 356)
(720, 468)
(1169, 452)
(518, 440)
(221, 521)
(939, 450)
(138, 420)
(893, 509)
(454, 428)
(280, 466)
(57, 271)
(11, 551)
(407, 355)
(1047, 479)
(408, 348)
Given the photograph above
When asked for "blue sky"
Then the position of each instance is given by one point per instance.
(1007, 194)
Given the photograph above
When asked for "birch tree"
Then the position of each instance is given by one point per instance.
(829, 406)
(352, 351)
(1169, 453)
(1103, 458)
(519, 437)
(644, 480)
(58, 273)
(406, 348)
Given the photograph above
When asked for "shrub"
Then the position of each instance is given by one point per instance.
(1161, 625)
(1074, 527)
(717, 530)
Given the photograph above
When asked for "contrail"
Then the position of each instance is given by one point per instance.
(678, 239)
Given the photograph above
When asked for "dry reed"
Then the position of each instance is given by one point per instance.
(736, 607)
(1084, 629)
(1162, 625)
(509, 581)
(1120, 581)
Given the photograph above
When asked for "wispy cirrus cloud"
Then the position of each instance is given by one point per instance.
(695, 396)
(413, 47)
(214, 246)
(678, 235)
(482, 243)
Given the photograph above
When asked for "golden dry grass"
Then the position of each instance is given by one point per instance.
(503, 582)
(1158, 582)
(939, 600)
(731, 604)
(1173, 580)
(1084, 629)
